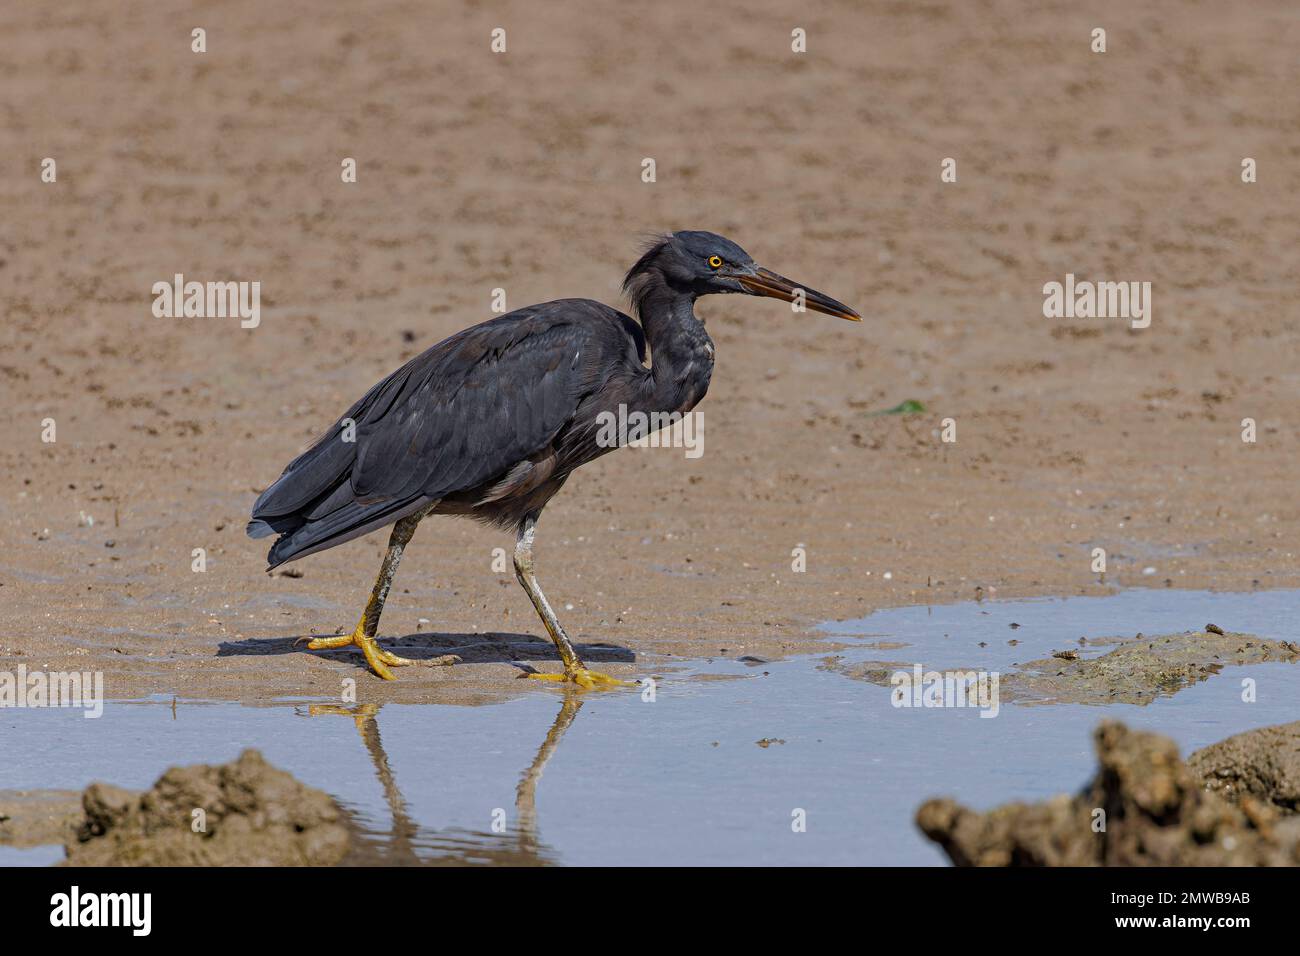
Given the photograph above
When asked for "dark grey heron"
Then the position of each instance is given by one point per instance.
(490, 422)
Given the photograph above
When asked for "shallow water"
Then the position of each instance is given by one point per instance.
(612, 778)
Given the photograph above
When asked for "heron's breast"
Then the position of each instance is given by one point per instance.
(695, 380)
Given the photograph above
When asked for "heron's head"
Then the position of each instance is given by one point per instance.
(704, 263)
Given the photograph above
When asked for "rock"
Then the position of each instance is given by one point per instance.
(1134, 671)
(1140, 670)
(1154, 808)
(1263, 764)
(251, 815)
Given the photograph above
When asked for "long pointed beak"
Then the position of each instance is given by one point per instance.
(768, 283)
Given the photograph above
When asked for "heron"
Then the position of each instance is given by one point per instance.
(490, 423)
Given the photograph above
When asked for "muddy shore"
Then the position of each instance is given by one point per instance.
(522, 171)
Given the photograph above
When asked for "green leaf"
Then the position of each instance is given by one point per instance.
(909, 407)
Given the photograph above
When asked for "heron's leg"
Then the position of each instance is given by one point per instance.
(363, 635)
(574, 669)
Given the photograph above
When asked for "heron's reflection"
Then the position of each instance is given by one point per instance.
(407, 843)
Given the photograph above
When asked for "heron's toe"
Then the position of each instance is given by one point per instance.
(375, 658)
(391, 659)
(379, 659)
(325, 643)
(584, 678)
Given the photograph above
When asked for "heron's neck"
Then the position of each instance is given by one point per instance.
(681, 352)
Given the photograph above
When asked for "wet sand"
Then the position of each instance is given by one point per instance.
(522, 171)
(1134, 670)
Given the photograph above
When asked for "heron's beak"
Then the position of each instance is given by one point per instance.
(768, 283)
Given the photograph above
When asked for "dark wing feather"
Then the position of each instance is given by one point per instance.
(452, 419)
(483, 401)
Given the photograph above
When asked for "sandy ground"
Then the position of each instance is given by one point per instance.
(522, 171)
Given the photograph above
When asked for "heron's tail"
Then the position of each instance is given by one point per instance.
(349, 521)
(312, 505)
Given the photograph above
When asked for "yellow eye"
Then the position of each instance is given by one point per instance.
(715, 262)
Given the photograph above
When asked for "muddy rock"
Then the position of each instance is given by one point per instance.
(31, 818)
(1262, 764)
(1133, 671)
(251, 814)
(1155, 809)
(1140, 670)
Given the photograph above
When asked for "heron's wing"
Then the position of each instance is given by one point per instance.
(472, 407)
(455, 417)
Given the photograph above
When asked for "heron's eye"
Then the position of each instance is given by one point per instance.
(715, 262)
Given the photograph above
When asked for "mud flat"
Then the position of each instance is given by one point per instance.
(1072, 432)
(1135, 670)
(1144, 807)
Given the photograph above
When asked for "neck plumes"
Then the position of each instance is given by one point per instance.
(681, 352)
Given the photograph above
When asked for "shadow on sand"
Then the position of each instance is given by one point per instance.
(476, 648)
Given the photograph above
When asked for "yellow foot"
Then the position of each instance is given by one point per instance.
(584, 678)
(378, 658)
